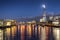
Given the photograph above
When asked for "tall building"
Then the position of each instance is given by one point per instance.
(44, 13)
(44, 19)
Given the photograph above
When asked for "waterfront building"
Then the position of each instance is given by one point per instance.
(50, 17)
(41, 20)
(6, 30)
(44, 17)
(55, 21)
(1, 22)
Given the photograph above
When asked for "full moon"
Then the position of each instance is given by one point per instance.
(43, 6)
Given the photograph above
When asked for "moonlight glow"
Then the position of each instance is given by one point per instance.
(43, 6)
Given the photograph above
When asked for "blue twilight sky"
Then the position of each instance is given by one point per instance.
(27, 8)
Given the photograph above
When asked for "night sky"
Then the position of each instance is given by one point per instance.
(27, 8)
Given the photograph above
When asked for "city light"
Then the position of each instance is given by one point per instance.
(8, 31)
(29, 29)
(1, 34)
(13, 30)
(43, 6)
(25, 20)
(8, 23)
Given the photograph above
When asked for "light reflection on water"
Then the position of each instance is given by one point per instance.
(39, 31)
(1, 34)
(22, 29)
(56, 33)
(43, 34)
(31, 32)
(7, 33)
(14, 29)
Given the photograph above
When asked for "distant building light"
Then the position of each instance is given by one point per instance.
(43, 6)
(51, 18)
(55, 23)
(44, 19)
(33, 21)
(8, 23)
(28, 22)
(56, 18)
(41, 20)
(21, 22)
(1, 23)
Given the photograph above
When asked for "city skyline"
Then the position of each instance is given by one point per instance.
(27, 8)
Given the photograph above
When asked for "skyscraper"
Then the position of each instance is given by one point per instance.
(44, 13)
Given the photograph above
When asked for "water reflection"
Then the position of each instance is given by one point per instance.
(7, 33)
(13, 32)
(39, 33)
(31, 32)
(56, 33)
(1, 34)
(43, 34)
(22, 29)
(46, 29)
